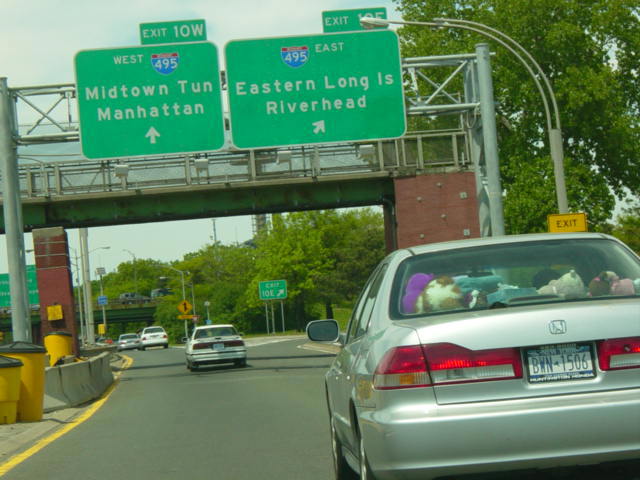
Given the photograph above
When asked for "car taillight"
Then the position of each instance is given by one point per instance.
(164, 336)
(619, 353)
(144, 338)
(444, 363)
(449, 363)
(200, 346)
(234, 343)
(402, 367)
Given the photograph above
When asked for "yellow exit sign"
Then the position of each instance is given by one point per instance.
(567, 222)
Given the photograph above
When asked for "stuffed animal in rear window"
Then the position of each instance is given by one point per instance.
(601, 285)
(440, 294)
(568, 286)
(414, 288)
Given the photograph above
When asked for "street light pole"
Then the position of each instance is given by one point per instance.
(554, 134)
(184, 295)
(135, 271)
(81, 305)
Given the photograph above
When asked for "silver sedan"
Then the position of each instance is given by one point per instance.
(489, 355)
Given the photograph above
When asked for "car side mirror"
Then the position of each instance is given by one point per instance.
(323, 331)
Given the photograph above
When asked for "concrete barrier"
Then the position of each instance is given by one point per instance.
(54, 397)
(101, 374)
(76, 383)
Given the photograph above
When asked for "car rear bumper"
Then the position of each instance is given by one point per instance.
(426, 441)
(211, 358)
(155, 343)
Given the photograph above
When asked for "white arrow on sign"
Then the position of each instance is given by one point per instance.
(152, 134)
(319, 127)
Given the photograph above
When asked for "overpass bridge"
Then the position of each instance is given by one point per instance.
(120, 314)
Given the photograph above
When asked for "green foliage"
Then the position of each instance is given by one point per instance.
(589, 50)
(627, 227)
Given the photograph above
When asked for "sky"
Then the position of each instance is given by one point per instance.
(38, 42)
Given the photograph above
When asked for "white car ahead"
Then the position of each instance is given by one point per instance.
(214, 344)
(153, 337)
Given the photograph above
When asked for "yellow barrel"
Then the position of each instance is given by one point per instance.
(31, 402)
(9, 388)
(58, 345)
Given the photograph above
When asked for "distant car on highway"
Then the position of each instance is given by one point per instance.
(486, 355)
(160, 292)
(130, 298)
(215, 344)
(129, 341)
(153, 337)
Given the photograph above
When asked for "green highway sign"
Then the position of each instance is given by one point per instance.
(32, 286)
(272, 290)
(349, 20)
(149, 100)
(315, 89)
(173, 32)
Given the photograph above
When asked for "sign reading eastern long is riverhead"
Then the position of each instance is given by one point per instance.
(149, 100)
(315, 89)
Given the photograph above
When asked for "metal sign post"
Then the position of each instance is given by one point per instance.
(14, 228)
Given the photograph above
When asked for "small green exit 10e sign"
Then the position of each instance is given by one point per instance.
(149, 100)
(272, 290)
(327, 88)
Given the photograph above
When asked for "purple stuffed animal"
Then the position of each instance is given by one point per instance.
(414, 288)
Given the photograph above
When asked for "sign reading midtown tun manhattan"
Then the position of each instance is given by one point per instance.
(149, 100)
(315, 89)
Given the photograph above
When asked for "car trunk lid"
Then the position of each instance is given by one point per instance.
(538, 350)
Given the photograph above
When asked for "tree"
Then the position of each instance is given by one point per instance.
(627, 227)
(589, 50)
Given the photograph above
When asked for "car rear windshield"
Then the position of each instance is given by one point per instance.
(504, 275)
(215, 332)
(154, 330)
(128, 337)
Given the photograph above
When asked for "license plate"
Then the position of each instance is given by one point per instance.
(218, 346)
(553, 363)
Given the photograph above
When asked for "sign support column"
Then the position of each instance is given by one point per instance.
(12, 207)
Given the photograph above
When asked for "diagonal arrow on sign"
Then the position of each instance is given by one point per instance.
(319, 127)
(152, 134)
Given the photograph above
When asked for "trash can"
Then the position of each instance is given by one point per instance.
(9, 388)
(31, 402)
(58, 345)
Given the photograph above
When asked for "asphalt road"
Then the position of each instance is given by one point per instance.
(265, 421)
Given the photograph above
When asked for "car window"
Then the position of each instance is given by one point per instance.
(127, 337)
(354, 329)
(498, 276)
(215, 332)
(370, 300)
(154, 330)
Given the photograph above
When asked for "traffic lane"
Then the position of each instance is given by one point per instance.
(265, 421)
